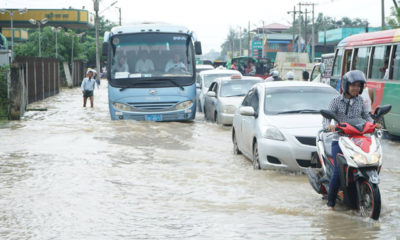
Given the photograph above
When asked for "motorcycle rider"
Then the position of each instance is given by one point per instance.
(349, 105)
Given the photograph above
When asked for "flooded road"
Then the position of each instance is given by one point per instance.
(72, 173)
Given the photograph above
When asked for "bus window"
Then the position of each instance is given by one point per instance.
(360, 61)
(347, 60)
(380, 62)
(337, 67)
(395, 74)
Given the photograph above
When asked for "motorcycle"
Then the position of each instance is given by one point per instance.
(359, 163)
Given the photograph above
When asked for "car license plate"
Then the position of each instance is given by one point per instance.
(153, 117)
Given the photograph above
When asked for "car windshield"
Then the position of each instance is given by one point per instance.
(236, 87)
(209, 78)
(289, 100)
(151, 56)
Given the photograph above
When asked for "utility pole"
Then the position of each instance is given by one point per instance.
(262, 50)
(294, 12)
(383, 14)
(312, 31)
(298, 39)
(120, 23)
(240, 41)
(248, 34)
(96, 9)
(305, 26)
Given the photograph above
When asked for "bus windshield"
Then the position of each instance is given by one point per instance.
(161, 59)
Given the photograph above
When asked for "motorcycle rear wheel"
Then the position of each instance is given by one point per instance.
(370, 206)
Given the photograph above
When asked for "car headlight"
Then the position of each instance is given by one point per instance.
(121, 106)
(228, 109)
(184, 105)
(274, 134)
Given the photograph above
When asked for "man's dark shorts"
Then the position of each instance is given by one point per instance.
(88, 94)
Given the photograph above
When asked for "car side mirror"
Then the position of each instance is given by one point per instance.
(197, 85)
(211, 94)
(246, 111)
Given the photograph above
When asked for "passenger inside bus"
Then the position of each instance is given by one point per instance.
(121, 65)
(144, 64)
(175, 64)
(385, 70)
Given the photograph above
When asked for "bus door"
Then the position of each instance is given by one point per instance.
(337, 69)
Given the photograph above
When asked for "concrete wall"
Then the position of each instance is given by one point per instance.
(17, 92)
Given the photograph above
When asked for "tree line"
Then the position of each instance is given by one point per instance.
(84, 48)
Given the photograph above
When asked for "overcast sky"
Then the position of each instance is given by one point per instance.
(212, 19)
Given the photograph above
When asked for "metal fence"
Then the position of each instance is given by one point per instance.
(78, 72)
(42, 77)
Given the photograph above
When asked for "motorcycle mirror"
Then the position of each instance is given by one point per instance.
(328, 114)
(380, 111)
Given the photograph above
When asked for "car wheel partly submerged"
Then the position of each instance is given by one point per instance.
(256, 159)
(236, 150)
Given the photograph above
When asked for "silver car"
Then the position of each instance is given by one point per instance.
(207, 77)
(277, 123)
(225, 95)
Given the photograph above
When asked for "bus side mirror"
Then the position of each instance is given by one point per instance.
(197, 48)
(104, 50)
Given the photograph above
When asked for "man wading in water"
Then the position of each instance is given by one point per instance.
(87, 87)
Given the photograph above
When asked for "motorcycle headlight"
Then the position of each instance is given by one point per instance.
(274, 134)
(122, 107)
(375, 157)
(184, 105)
(228, 109)
(360, 159)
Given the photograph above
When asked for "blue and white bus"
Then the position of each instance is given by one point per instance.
(151, 72)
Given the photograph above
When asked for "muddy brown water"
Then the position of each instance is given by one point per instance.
(72, 173)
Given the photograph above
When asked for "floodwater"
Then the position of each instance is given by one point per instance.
(72, 173)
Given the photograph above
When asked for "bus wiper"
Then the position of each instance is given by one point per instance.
(136, 83)
(300, 111)
(173, 82)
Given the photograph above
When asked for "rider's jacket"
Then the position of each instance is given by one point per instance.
(346, 109)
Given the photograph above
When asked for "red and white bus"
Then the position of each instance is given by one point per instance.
(377, 54)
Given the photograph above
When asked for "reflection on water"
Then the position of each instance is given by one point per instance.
(72, 173)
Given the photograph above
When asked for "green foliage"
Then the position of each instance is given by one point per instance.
(84, 48)
(4, 70)
(394, 19)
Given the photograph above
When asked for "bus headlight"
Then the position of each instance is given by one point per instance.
(228, 109)
(121, 106)
(184, 105)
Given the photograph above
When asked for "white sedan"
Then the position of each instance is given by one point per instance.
(207, 77)
(225, 95)
(277, 123)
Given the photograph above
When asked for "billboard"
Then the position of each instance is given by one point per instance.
(69, 18)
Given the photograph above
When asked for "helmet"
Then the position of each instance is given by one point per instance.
(275, 73)
(352, 77)
(289, 76)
